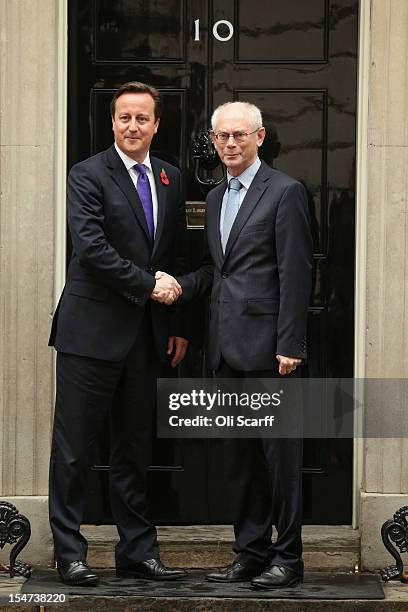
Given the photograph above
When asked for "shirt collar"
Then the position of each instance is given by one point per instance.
(129, 162)
(248, 175)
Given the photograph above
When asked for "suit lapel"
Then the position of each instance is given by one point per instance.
(121, 177)
(214, 204)
(161, 191)
(255, 191)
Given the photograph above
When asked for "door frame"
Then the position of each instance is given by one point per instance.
(363, 71)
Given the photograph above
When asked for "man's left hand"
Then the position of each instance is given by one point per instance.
(179, 347)
(287, 364)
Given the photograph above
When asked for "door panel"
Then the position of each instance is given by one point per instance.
(139, 31)
(297, 61)
(283, 32)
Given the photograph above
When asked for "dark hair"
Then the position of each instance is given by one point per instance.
(137, 87)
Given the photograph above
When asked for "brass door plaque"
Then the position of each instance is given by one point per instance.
(195, 212)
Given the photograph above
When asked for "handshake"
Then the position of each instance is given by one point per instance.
(166, 290)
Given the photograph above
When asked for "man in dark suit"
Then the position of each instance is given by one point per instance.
(126, 217)
(258, 261)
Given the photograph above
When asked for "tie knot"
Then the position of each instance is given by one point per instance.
(141, 168)
(235, 184)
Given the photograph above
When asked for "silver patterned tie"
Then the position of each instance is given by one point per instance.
(231, 210)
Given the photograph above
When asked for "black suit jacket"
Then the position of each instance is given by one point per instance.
(111, 273)
(261, 287)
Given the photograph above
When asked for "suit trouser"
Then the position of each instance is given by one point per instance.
(264, 478)
(88, 391)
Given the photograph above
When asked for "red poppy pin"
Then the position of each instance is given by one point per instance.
(163, 177)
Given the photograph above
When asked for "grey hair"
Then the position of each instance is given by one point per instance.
(254, 113)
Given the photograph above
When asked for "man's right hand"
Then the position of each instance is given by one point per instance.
(166, 289)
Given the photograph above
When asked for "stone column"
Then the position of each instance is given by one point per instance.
(385, 471)
(28, 172)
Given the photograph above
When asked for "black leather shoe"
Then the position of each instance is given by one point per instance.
(152, 569)
(236, 572)
(276, 577)
(77, 573)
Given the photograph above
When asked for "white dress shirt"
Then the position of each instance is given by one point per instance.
(134, 175)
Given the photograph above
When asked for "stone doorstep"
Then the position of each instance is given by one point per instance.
(330, 548)
(396, 600)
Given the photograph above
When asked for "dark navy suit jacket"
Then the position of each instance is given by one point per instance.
(111, 273)
(261, 287)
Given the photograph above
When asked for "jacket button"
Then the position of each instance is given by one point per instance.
(225, 275)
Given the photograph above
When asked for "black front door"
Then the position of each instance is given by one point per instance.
(296, 60)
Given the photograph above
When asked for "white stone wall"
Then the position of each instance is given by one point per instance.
(28, 111)
(385, 482)
(27, 175)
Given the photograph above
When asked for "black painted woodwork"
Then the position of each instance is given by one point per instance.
(297, 61)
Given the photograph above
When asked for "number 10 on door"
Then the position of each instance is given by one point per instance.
(216, 34)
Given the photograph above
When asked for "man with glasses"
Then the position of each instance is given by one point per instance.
(258, 261)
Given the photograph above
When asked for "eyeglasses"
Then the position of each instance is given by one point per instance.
(223, 137)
